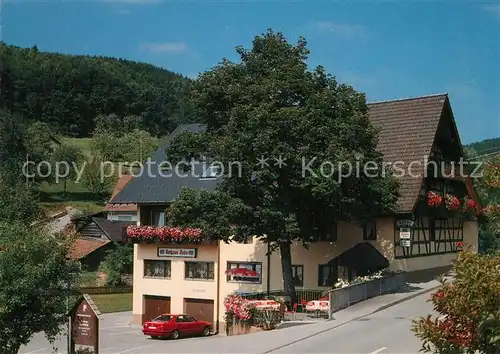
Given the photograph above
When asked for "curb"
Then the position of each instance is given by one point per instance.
(412, 296)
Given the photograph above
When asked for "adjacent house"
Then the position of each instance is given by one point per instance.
(423, 237)
(121, 212)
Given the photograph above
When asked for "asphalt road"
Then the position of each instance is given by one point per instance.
(384, 332)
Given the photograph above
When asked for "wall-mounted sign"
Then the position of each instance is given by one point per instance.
(405, 243)
(85, 325)
(405, 233)
(177, 252)
(404, 223)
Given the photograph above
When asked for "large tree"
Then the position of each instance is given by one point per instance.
(271, 106)
(34, 285)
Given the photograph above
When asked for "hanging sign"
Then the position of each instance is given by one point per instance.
(405, 233)
(405, 243)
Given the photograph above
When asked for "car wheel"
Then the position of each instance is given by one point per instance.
(206, 331)
(175, 334)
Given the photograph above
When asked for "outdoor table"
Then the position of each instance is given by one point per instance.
(318, 306)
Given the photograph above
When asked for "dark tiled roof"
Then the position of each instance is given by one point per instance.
(158, 189)
(407, 131)
(113, 228)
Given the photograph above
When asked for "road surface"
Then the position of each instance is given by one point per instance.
(384, 332)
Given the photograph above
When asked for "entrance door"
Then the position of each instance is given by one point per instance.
(155, 306)
(200, 309)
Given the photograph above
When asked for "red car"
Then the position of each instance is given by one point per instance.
(174, 326)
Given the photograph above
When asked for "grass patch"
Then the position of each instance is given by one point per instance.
(107, 303)
(87, 279)
(84, 144)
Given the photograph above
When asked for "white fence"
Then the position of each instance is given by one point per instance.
(345, 297)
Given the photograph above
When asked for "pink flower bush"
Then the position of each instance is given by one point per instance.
(163, 234)
(238, 308)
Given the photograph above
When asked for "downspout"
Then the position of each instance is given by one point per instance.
(218, 288)
(268, 270)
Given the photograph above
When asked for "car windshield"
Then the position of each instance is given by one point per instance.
(162, 318)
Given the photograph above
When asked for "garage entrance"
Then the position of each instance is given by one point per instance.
(201, 309)
(155, 306)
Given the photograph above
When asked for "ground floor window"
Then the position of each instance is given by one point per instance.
(298, 275)
(199, 270)
(157, 268)
(248, 272)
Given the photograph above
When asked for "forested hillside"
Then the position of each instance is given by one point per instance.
(485, 146)
(68, 92)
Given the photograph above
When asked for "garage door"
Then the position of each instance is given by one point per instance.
(201, 309)
(155, 306)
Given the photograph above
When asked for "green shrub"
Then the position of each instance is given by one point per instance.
(468, 308)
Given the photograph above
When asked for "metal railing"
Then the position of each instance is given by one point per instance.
(352, 294)
(301, 294)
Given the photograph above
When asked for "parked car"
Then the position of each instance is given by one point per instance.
(175, 326)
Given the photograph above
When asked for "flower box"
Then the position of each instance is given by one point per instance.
(163, 234)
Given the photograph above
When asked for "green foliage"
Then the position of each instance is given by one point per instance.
(94, 177)
(118, 262)
(269, 319)
(68, 92)
(270, 105)
(33, 284)
(38, 141)
(471, 304)
(485, 146)
(12, 147)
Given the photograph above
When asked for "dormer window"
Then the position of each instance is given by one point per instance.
(211, 172)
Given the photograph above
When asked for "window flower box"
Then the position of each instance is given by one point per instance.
(452, 203)
(163, 234)
(433, 199)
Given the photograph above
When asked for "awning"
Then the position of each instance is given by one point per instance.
(363, 257)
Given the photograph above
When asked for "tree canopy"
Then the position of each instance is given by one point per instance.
(271, 106)
(68, 91)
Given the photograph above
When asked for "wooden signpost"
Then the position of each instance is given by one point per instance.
(84, 329)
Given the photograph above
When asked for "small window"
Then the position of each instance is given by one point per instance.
(158, 217)
(157, 268)
(199, 270)
(163, 318)
(370, 231)
(124, 217)
(189, 319)
(244, 272)
(327, 275)
(298, 275)
(180, 318)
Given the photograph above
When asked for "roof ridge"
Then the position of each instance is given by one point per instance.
(409, 98)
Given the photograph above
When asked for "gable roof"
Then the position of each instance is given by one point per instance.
(83, 247)
(120, 184)
(113, 229)
(407, 130)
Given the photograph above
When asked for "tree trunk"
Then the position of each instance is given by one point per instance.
(286, 267)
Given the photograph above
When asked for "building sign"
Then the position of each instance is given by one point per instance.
(404, 223)
(85, 326)
(405, 233)
(177, 252)
(405, 243)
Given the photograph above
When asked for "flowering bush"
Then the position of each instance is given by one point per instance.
(238, 308)
(468, 309)
(469, 203)
(433, 199)
(451, 202)
(163, 234)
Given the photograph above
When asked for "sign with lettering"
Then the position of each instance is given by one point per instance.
(405, 243)
(177, 252)
(405, 233)
(85, 325)
(404, 223)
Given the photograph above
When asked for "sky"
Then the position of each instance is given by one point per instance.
(386, 49)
